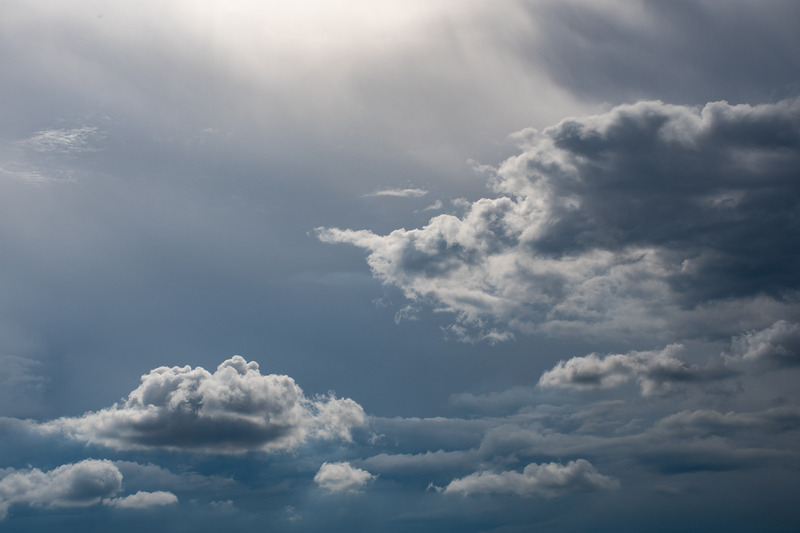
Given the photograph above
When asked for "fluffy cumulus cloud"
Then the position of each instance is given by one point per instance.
(74, 485)
(341, 477)
(233, 410)
(655, 371)
(649, 219)
(545, 480)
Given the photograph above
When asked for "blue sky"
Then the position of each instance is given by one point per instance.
(399, 266)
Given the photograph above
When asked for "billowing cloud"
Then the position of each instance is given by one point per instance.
(655, 371)
(775, 346)
(73, 485)
(649, 219)
(341, 477)
(234, 410)
(143, 500)
(546, 480)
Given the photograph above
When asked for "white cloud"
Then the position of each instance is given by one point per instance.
(435, 206)
(234, 410)
(341, 477)
(545, 480)
(73, 485)
(401, 193)
(627, 223)
(143, 500)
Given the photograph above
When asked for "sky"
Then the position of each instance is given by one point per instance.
(450, 265)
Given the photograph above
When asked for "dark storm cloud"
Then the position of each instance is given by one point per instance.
(648, 219)
(234, 410)
(687, 51)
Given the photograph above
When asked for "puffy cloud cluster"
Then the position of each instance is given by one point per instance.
(82, 484)
(234, 410)
(645, 220)
(654, 370)
(341, 477)
(546, 480)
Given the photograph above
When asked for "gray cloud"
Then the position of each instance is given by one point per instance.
(234, 410)
(546, 480)
(341, 477)
(21, 385)
(426, 463)
(74, 485)
(774, 347)
(650, 219)
(655, 371)
(708, 422)
(740, 51)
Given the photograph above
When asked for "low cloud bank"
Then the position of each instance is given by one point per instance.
(544, 480)
(82, 484)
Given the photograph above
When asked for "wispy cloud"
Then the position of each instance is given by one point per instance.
(64, 141)
(400, 193)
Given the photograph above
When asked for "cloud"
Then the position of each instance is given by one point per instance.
(708, 422)
(777, 346)
(545, 480)
(608, 52)
(64, 141)
(655, 371)
(401, 193)
(414, 464)
(341, 477)
(21, 384)
(649, 219)
(234, 410)
(143, 500)
(73, 485)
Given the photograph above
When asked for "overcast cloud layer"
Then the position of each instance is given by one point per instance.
(579, 308)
